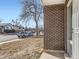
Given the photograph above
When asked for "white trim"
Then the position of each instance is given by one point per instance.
(52, 2)
(69, 3)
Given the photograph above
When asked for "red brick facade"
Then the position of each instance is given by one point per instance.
(54, 27)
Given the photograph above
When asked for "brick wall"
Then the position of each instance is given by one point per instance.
(54, 27)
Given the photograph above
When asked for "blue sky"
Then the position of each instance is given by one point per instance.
(11, 9)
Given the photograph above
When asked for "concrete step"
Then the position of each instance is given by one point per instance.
(52, 55)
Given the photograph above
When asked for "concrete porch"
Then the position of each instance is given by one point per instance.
(52, 55)
(55, 24)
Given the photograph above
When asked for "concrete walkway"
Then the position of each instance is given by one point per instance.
(52, 55)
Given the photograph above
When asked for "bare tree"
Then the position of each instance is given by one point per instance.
(32, 9)
(15, 22)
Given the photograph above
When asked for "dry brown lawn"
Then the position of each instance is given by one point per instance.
(29, 48)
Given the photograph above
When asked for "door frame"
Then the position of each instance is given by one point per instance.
(69, 28)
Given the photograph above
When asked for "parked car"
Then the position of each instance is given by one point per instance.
(24, 34)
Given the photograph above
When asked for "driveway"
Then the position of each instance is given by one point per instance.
(4, 38)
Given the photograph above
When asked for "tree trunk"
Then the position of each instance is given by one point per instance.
(37, 30)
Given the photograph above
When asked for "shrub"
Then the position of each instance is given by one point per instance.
(9, 31)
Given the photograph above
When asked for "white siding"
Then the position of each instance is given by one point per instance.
(75, 27)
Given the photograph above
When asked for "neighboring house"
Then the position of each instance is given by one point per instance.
(5, 26)
(61, 20)
(1, 29)
(8, 26)
(18, 28)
